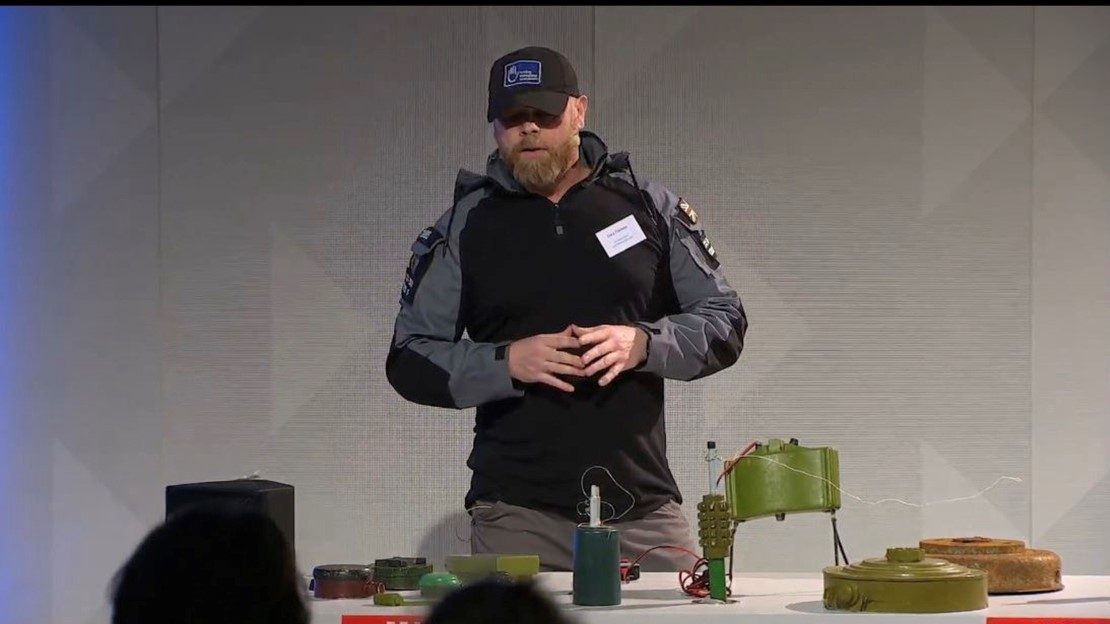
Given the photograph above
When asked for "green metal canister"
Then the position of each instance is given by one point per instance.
(401, 573)
(597, 566)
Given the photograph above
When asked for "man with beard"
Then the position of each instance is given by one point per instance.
(580, 289)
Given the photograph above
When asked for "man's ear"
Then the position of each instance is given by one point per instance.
(583, 104)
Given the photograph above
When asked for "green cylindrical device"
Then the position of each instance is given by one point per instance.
(597, 566)
(717, 588)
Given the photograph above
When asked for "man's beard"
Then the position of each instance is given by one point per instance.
(542, 172)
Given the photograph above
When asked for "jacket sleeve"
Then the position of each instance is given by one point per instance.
(707, 334)
(429, 362)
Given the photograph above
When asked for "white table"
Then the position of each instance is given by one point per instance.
(785, 598)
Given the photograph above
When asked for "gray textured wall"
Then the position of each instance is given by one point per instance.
(211, 210)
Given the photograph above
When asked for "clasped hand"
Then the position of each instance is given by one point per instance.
(577, 352)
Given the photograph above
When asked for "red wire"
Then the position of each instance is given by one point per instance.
(695, 581)
(736, 460)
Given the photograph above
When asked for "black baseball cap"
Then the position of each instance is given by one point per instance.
(536, 77)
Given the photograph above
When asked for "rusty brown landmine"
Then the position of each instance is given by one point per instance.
(1011, 567)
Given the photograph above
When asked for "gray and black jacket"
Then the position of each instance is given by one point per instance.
(503, 264)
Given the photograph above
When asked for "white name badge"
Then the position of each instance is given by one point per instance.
(621, 235)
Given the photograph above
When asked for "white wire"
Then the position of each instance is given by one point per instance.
(586, 513)
(885, 500)
(582, 483)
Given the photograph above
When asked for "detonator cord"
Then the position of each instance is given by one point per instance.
(838, 544)
(582, 484)
(885, 500)
(693, 581)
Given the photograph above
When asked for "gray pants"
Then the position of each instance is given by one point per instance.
(507, 529)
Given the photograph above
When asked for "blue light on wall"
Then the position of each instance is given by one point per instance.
(11, 550)
(9, 91)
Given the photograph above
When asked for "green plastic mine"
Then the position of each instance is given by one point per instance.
(436, 585)
(471, 568)
(384, 599)
(904, 581)
(401, 573)
(781, 478)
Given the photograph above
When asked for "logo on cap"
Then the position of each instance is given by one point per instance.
(519, 73)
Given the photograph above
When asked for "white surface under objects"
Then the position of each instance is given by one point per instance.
(785, 598)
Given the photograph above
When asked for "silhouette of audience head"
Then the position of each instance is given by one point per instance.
(212, 563)
(497, 602)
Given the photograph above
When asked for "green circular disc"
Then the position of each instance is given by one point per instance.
(905, 581)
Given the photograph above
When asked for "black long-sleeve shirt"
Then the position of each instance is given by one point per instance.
(503, 264)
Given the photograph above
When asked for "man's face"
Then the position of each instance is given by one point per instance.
(539, 148)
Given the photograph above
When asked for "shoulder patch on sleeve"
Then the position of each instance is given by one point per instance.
(697, 238)
(429, 236)
(709, 250)
(687, 212)
(419, 261)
